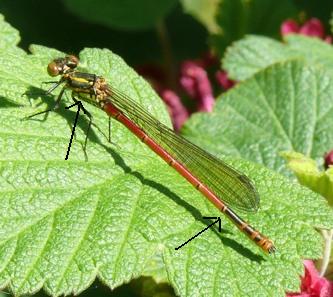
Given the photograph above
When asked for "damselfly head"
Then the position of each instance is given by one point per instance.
(61, 66)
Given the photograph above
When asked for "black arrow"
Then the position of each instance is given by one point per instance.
(217, 221)
(79, 106)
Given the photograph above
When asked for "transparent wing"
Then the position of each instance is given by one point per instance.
(231, 186)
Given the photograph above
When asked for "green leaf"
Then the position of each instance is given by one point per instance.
(9, 37)
(313, 50)
(239, 17)
(64, 223)
(309, 175)
(204, 11)
(254, 53)
(129, 14)
(285, 107)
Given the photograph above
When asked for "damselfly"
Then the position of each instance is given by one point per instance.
(221, 184)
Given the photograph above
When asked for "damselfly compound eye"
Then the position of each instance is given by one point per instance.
(53, 69)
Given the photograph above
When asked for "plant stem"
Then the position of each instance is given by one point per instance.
(327, 234)
(166, 48)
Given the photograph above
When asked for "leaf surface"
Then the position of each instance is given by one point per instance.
(255, 53)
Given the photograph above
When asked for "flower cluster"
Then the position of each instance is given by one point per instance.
(313, 285)
(312, 27)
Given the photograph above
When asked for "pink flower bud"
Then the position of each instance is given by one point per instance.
(313, 285)
(223, 80)
(328, 159)
(196, 84)
(178, 112)
(289, 26)
(313, 27)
